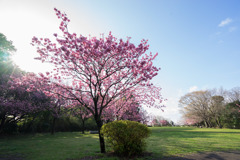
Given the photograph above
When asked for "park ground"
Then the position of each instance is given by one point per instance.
(169, 143)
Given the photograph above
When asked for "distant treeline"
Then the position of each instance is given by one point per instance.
(212, 108)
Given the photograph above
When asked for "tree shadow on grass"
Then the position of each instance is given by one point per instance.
(87, 158)
(225, 155)
(12, 157)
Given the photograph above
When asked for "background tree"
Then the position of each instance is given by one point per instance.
(160, 121)
(11, 101)
(35, 83)
(98, 72)
(190, 121)
(213, 108)
(81, 113)
(234, 94)
(232, 116)
(145, 117)
(196, 104)
(17, 102)
(6, 48)
(217, 109)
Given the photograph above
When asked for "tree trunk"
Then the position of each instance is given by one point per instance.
(101, 138)
(206, 125)
(2, 123)
(83, 126)
(29, 126)
(53, 126)
(209, 124)
(218, 123)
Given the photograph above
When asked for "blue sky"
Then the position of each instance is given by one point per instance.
(198, 41)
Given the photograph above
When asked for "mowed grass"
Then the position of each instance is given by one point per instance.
(180, 141)
(61, 146)
(163, 142)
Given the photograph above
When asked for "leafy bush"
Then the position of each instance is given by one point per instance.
(127, 138)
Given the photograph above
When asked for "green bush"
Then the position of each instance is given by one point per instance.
(127, 138)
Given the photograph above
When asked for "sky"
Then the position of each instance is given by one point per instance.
(198, 42)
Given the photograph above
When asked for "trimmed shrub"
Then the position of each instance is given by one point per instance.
(127, 138)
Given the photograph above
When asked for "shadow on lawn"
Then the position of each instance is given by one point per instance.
(226, 155)
(12, 157)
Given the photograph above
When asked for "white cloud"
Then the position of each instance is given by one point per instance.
(225, 22)
(231, 29)
(193, 88)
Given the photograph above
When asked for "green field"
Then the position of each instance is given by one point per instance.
(164, 141)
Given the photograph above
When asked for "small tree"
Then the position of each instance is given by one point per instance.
(80, 112)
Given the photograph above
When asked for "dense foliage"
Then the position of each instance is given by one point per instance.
(127, 138)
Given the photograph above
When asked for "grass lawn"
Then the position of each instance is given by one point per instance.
(164, 141)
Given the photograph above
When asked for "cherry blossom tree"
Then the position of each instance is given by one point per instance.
(164, 122)
(127, 108)
(39, 84)
(190, 121)
(16, 102)
(159, 121)
(98, 72)
(154, 122)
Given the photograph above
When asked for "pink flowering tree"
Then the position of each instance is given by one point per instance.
(154, 122)
(118, 112)
(16, 102)
(145, 117)
(98, 72)
(191, 121)
(159, 121)
(164, 122)
(33, 83)
(127, 108)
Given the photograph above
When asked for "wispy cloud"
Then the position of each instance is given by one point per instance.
(193, 88)
(231, 29)
(225, 22)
